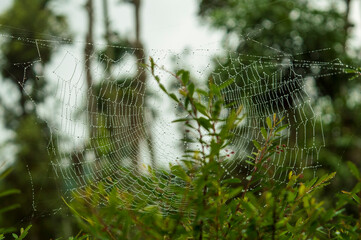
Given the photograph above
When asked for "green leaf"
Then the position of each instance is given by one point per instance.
(151, 209)
(350, 70)
(191, 89)
(9, 192)
(24, 233)
(234, 192)
(264, 133)
(226, 84)
(354, 170)
(256, 144)
(269, 122)
(200, 108)
(249, 162)
(229, 105)
(189, 164)
(215, 90)
(325, 178)
(204, 123)
(356, 198)
(157, 79)
(184, 76)
(9, 208)
(186, 102)
(289, 227)
(152, 64)
(163, 88)
(231, 181)
(5, 173)
(281, 128)
(178, 171)
(202, 92)
(174, 97)
(310, 183)
(181, 120)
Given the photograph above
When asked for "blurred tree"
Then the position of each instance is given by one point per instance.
(142, 133)
(22, 63)
(300, 28)
(125, 102)
(287, 27)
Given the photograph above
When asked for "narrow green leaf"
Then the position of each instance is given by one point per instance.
(231, 181)
(325, 178)
(163, 88)
(226, 84)
(229, 105)
(181, 120)
(249, 162)
(5, 173)
(24, 233)
(349, 70)
(152, 64)
(184, 76)
(201, 108)
(264, 132)
(179, 72)
(174, 97)
(234, 193)
(215, 90)
(310, 183)
(202, 92)
(191, 89)
(256, 144)
(9, 208)
(356, 198)
(186, 102)
(188, 163)
(9, 192)
(178, 171)
(204, 123)
(269, 122)
(157, 78)
(354, 170)
(289, 227)
(281, 128)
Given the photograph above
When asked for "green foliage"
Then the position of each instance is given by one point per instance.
(25, 23)
(310, 34)
(4, 210)
(265, 28)
(7, 208)
(208, 204)
(23, 233)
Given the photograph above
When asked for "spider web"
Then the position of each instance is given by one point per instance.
(120, 128)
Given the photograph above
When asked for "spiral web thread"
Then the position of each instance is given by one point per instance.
(113, 131)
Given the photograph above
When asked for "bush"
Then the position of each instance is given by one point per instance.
(211, 204)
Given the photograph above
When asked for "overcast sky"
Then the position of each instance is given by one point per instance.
(166, 24)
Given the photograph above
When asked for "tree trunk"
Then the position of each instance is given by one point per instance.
(109, 51)
(347, 25)
(91, 104)
(138, 119)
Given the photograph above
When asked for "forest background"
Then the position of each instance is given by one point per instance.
(291, 26)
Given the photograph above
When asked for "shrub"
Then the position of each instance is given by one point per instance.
(211, 204)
